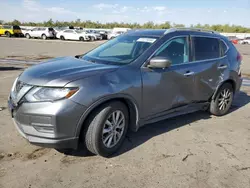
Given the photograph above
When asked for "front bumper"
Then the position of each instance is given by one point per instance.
(48, 124)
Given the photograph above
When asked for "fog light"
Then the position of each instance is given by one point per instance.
(44, 128)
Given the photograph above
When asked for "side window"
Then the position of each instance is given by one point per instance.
(206, 48)
(68, 31)
(223, 48)
(176, 50)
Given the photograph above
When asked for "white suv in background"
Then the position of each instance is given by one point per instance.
(71, 34)
(40, 32)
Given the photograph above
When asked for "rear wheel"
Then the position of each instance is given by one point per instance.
(8, 34)
(44, 37)
(62, 38)
(106, 129)
(81, 39)
(27, 36)
(222, 102)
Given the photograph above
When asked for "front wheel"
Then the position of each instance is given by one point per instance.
(222, 102)
(91, 38)
(27, 36)
(106, 129)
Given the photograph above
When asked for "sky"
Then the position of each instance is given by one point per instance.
(159, 11)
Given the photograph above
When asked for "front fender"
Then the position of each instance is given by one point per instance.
(131, 101)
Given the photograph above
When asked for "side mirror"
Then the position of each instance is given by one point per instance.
(159, 62)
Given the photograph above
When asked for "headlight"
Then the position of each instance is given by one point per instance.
(39, 94)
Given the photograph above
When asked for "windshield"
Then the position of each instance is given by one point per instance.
(121, 50)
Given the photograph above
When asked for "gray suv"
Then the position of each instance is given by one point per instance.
(140, 77)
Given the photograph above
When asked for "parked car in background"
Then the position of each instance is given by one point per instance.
(91, 100)
(93, 35)
(71, 34)
(114, 34)
(40, 32)
(104, 34)
(233, 39)
(10, 31)
(246, 40)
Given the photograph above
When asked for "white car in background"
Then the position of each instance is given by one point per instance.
(114, 34)
(93, 35)
(246, 41)
(40, 32)
(71, 34)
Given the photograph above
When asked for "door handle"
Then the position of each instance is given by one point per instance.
(222, 67)
(188, 73)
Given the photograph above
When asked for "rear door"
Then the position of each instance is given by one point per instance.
(68, 34)
(210, 65)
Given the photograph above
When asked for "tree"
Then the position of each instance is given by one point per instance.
(148, 25)
(16, 22)
(49, 23)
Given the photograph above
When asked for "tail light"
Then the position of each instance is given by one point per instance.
(239, 59)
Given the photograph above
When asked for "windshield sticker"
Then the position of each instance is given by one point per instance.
(150, 40)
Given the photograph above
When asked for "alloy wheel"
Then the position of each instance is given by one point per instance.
(113, 129)
(224, 99)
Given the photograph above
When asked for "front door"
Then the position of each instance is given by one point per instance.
(172, 87)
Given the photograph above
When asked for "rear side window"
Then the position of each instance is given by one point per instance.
(223, 48)
(206, 48)
(51, 29)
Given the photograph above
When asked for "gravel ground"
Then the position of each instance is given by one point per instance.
(195, 150)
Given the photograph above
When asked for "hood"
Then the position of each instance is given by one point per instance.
(60, 71)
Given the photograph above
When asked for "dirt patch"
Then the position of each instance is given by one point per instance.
(2, 172)
(10, 156)
(37, 153)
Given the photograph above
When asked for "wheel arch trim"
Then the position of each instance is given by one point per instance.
(229, 80)
(129, 101)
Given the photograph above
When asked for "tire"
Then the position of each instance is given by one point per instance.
(62, 38)
(81, 39)
(44, 37)
(91, 38)
(225, 96)
(96, 140)
(27, 36)
(8, 34)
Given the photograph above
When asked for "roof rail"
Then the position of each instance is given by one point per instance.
(191, 29)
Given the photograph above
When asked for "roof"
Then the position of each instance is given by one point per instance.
(161, 32)
(147, 32)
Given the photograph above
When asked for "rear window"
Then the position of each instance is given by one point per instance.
(206, 48)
